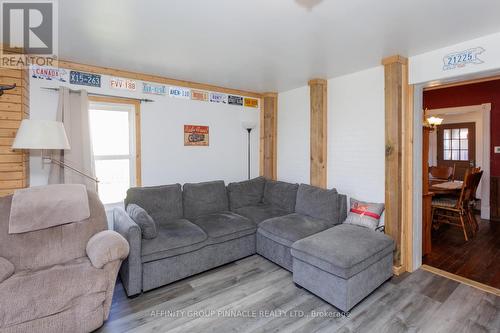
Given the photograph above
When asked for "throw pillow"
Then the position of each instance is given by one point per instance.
(365, 214)
(149, 228)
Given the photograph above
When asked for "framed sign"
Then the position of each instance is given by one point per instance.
(234, 100)
(251, 102)
(85, 79)
(48, 73)
(199, 95)
(122, 84)
(154, 89)
(179, 92)
(462, 58)
(195, 135)
(218, 98)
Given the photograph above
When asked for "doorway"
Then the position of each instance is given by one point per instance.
(461, 142)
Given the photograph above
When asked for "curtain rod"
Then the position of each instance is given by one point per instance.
(104, 95)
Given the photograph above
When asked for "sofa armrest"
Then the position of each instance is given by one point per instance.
(105, 247)
(131, 269)
(6, 269)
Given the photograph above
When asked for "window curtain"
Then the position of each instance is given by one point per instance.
(73, 112)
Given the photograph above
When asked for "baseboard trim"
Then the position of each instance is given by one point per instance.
(469, 282)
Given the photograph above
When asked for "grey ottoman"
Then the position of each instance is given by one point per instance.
(343, 264)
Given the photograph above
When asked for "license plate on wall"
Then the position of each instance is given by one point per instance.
(85, 79)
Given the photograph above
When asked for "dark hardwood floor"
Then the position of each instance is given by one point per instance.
(478, 259)
(253, 295)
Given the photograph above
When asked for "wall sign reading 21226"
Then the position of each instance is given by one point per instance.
(463, 58)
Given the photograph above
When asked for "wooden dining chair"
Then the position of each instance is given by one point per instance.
(477, 175)
(455, 211)
(440, 174)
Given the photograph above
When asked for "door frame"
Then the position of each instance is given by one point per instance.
(413, 243)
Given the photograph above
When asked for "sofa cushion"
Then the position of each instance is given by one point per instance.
(32, 294)
(280, 194)
(290, 228)
(149, 228)
(320, 203)
(259, 213)
(163, 203)
(246, 193)
(174, 238)
(343, 250)
(204, 198)
(225, 226)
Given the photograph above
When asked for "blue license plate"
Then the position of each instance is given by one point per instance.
(85, 79)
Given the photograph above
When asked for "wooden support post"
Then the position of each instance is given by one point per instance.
(318, 132)
(396, 107)
(268, 135)
(14, 107)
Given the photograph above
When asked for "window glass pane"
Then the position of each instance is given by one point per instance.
(455, 144)
(114, 179)
(110, 132)
(447, 155)
(447, 134)
(464, 155)
(464, 144)
(455, 155)
(464, 133)
(455, 133)
(447, 144)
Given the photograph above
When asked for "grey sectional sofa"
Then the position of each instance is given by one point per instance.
(205, 225)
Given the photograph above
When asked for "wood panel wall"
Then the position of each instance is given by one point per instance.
(396, 105)
(268, 135)
(318, 132)
(14, 106)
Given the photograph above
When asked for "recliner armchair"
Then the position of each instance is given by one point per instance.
(59, 279)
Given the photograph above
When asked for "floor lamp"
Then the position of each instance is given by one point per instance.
(248, 126)
(45, 135)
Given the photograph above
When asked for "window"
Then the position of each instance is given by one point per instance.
(112, 129)
(456, 144)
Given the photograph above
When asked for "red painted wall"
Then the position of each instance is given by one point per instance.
(472, 94)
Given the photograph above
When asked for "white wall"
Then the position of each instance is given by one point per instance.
(356, 135)
(164, 157)
(293, 135)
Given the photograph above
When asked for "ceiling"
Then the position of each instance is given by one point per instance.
(262, 45)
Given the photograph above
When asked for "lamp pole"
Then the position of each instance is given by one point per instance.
(249, 130)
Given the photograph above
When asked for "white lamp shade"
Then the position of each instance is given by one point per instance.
(41, 134)
(248, 124)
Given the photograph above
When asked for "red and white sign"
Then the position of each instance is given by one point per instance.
(123, 84)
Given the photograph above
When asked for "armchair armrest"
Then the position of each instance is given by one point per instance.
(6, 269)
(105, 247)
(131, 269)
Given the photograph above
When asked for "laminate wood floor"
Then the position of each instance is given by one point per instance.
(255, 295)
(478, 259)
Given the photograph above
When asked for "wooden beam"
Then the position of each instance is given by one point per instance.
(318, 132)
(13, 108)
(268, 135)
(153, 78)
(396, 99)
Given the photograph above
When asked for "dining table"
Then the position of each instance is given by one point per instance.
(450, 187)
